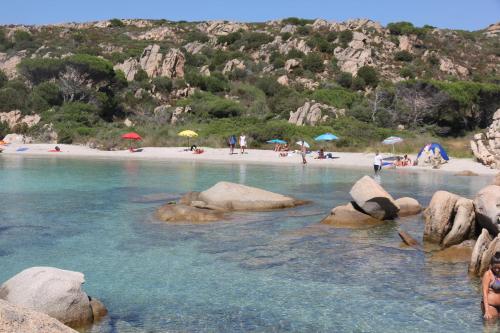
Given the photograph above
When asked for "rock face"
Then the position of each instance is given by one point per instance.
(349, 217)
(231, 65)
(55, 292)
(290, 64)
(231, 196)
(447, 66)
(194, 47)
(184, 213)
(221, 28)
(155, 63)
(493, 30)
(486, 147)
(356, 55)
(17, 139)
(312, 113)
(449, 219)
(373, 199)
(408, 206)
(8, 64)
(156, 34)
(15, 319)
(483, 251)
(15, 117)
(487, 205)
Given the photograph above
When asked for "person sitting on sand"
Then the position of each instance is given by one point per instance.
(321, 154)
(284, 151)
(406, 161)
(490, 305)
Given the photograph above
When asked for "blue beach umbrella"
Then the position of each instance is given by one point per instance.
(326, 137)
(281, 142)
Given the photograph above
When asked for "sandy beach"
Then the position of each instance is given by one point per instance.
(221, 155)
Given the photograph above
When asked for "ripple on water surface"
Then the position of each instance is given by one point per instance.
(272, 271)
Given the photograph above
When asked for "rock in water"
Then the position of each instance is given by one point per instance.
(55, 292)
(15, 319)
(408, 206)
(373, 199)
(487, 205)
(185, 213)
(449, 219)
(231, 196)
(482, 244)
(466, 173)
(409, 240)
(349, 217)
(456, 253)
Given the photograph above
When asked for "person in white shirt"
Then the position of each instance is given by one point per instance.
(377, 162)
(243, 143)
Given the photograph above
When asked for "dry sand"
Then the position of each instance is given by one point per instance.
(344, 160)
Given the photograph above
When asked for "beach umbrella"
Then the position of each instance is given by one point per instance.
(326, 137)
(188, 134)
(392, 140)
(305, 144)
(131, 136)
(278, 141)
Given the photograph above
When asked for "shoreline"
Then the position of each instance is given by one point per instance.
(221, 155)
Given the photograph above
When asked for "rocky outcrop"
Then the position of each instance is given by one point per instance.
(17, 138)
(15, 117)
(155, 63)
(290, 64)
(283, 80)
(408, 206)
(347, 216)
(231, 196)
(484, 249)
(372, 199)
(55, 292)
(493, 30)
(460, 253)
(356, 55)
(232, 65)
(486, 147)
(312, 113)
(447, 66)
(16, 319)
(8, 63)
(487, 205)
(449, 219)
(205, 70)
(221, 28)
(157, 34)
(194, 47)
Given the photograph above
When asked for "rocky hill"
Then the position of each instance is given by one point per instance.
(85, 82)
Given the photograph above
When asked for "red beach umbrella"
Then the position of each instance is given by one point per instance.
(132, 136)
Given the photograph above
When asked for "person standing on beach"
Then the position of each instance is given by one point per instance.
(232, 144)
(377, 163)
(243, 143)
(303, 152)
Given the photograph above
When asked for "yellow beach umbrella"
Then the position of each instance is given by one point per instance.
(188, 134)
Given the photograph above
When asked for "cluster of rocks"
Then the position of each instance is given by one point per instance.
(9, 62)
(221, 28)
(356, 55)
(312, 113)
(15, 117)
(156, 34)
(371, 205)
(155, 63)
(486, 147)
(214, 203)
(42, 299)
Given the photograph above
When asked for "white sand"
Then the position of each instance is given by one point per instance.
(345, 160)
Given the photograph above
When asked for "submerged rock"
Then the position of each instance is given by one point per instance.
(487, 205)
(373, 199)
(185, 213)
(347, 216)
(408, 206)
(17, 319)
(409, 240)
(454, 254)
(466, 173)
(55, 292)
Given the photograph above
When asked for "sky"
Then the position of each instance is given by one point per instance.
(453, 14)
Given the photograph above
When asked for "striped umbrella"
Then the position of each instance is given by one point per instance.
(392, 140)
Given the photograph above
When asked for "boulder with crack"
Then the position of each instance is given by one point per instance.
(312, 113)
(486, 147)
(487, 207)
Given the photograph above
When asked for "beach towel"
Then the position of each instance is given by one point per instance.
(22, 149)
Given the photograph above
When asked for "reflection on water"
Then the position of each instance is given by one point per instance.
(270, 271)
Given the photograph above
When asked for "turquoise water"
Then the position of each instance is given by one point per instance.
(263, 272)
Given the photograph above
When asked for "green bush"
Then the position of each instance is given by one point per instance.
(207, 105)
(344, 79)
(196, 36)
(358, 83)
(11, 99)
(216, 82)
(4, 129)
(332, 36)
(296, 21)
(369, 75)
(277, 60)
(401, 28)
(163, 84)
(253, 40)
(116, 23)
(345, 37)
(141, 75)
(313, 62)
(295, 54)
(407, 72)
(50, 92)
(268, 85)
(337, 97)
(403, 56)
(38, 70)
(229, 39)
(285, 36)
(3, 79)
(304, 30)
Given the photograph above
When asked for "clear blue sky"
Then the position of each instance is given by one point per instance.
(458, 14)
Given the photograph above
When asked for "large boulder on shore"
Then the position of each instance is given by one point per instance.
(231, 196)
(373, 199)
(476, 261)
(408, 206)
(347, 216)
(55, 292)
(487, 204)
(449, 219)
(185, 213)
(15, 319)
